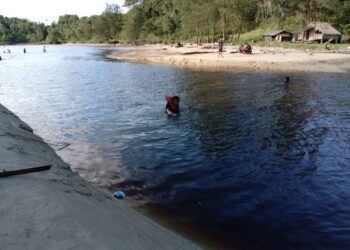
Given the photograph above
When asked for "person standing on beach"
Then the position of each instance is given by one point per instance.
(221, 46)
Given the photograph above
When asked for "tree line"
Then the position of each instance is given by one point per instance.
(15, 30)
(170, 21)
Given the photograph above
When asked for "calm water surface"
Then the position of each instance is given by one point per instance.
(249, 164)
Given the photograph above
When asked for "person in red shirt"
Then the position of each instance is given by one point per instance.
(172, 107)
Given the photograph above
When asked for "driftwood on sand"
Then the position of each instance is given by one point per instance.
(5, 173)
(198, 52)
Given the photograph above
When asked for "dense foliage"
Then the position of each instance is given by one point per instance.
(206, 20)
(14, 30)
(181, 20)
(95, 29)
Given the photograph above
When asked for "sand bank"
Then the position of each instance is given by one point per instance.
(57, 209)
(263, 58)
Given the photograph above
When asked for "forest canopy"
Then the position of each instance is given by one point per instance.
(168, 21)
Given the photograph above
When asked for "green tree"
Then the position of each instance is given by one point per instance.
(54, 35)
(133, 23)
(175, 20)
(15, 30)
(109, 25)
(67, 25)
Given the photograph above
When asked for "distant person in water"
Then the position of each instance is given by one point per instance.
(286, 80)
(221, 43)
(172, 107)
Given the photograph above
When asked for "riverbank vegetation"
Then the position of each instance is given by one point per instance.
(15, 30)
(170, 21)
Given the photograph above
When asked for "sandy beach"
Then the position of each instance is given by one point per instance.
(263, 58)
(56, 209)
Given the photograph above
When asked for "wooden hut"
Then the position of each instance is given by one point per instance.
(319, 32)
(278, 36)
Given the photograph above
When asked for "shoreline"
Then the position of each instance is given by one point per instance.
(57, 209)
(262, 59)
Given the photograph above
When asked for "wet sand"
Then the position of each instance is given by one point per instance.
(262, 59)
(57, 209)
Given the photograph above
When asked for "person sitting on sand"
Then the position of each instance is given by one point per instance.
(172, 107)
(221, 46)
(241, 49)
(247, 49)
(179, 45)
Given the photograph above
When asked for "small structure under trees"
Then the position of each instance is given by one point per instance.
(319, 32)
(278, 36)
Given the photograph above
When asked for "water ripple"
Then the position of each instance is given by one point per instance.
(251, 163)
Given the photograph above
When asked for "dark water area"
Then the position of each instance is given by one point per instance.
(251, 163)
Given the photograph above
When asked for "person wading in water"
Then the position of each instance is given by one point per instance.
(172, 107)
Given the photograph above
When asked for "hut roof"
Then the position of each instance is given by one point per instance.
(275, 32)
(324, 27)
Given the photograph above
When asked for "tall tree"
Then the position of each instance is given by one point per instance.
(133, 24)
(109, 24)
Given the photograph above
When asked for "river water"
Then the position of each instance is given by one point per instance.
(250, 164)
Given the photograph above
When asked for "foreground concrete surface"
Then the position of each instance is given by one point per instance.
(56, 209)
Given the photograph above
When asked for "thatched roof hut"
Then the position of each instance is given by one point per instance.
(319, 32)
(278, 36)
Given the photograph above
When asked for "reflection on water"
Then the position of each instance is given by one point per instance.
(250, 163)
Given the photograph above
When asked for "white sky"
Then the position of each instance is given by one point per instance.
(49, 10)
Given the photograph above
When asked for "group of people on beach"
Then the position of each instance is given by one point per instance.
(245, 48)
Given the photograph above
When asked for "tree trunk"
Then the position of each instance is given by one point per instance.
(240, 30)
(202, 30)
(233, 33)
(214, 24)
(282, 23)
(309, 10)
(225, 27)
(208, 28)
